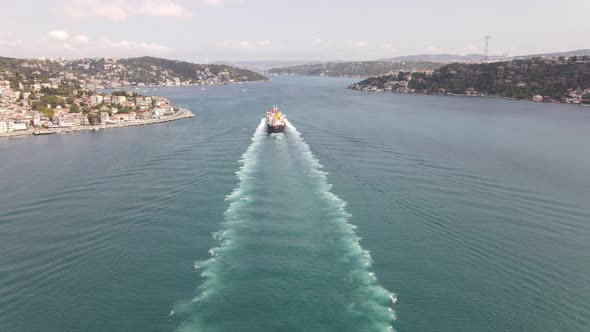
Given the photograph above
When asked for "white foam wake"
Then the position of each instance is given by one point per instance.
(378, 299)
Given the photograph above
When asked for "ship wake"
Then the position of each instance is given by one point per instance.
(287, 258)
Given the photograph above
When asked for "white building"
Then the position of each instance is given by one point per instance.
(96, 99)
(3, 127)
(36, 119)
(19, 126)
(104, 117)
(117, 100)
(64, 121)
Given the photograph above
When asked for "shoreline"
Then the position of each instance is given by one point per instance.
(470, 96)
(177, 86)
(183, 114)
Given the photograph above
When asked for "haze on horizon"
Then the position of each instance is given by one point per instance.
(242, 30)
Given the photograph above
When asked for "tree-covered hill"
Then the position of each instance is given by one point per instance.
(555, 79)
(138, 68)
(117, 72)
(355, 69)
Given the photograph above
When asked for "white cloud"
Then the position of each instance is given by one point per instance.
(163, 8)
(317, 41)
(434, 49)
(218, 3)
(10, 42)
(121, 10)
(388, 47)
(81, 39)
(212, 2)
(263, 43)
(360, 44)
(134, 47)
(222, 44)
(58, 35)
(254, 45)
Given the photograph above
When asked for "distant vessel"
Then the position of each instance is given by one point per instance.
(275, 121)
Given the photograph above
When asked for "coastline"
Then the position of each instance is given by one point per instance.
(178, 86)
(182, 114)
(470, 96)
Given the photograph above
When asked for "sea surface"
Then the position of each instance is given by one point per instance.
(474, 213)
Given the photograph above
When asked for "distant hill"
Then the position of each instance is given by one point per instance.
(449, 58)
(445, 58)
(140, 70)
(556, 54)
(354, 69)
(565, 79)
(109, 72)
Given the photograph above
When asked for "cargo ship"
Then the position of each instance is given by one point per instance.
(275, 121)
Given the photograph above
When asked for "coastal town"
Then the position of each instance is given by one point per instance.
(57, 110)
(44, 96)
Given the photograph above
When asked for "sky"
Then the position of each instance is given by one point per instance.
(245, 30)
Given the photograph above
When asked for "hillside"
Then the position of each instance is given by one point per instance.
(354, 69)
(141, 69)
(449, 58)
(106, 72)
(561, 79)
(443, 58)
(556, 54)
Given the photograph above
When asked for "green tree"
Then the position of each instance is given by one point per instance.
(94, 118)
(47, 112)
(74, 108)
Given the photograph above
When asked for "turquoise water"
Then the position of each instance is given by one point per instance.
(473, 211)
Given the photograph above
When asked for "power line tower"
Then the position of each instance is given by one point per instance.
(324, 64)
(487, 39)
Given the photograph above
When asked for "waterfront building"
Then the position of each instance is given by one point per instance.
(104, 117)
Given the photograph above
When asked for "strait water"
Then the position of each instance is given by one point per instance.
(474, 211)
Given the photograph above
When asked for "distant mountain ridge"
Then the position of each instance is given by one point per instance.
(581, 52)
(480, 57)
(443, 58)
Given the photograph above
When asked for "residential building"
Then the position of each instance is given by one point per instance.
(104, 117)
(96, 99)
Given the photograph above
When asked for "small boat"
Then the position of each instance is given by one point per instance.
(275, 121)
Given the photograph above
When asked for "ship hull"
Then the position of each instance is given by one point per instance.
(275, 129)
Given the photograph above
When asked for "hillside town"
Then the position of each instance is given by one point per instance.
(100, 73)
(59, 109)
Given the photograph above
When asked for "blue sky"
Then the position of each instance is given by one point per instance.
(288, 30)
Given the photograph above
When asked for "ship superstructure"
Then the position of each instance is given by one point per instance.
(275, 120)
